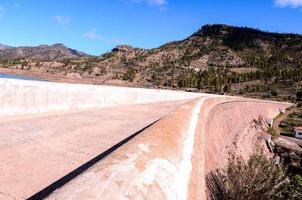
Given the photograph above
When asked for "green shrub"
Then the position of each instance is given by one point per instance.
(272, 131)
(130, 74)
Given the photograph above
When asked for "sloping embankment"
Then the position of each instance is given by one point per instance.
(170, 159)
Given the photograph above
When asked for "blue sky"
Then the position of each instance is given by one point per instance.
(96, 26)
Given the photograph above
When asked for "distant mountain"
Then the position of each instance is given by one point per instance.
(54, 52)
(216, 58)
(2, 46)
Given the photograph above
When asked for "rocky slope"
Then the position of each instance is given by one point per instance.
(213, 45)
(216, 58)
(41, 53)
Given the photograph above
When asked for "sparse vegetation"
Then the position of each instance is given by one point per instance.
(245, 61)
(256, 179)
(130, 74)
(272, 131)
(294, 119)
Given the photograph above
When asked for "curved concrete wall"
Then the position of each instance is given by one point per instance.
(227, 126)
(154, 165)
(230, 127)
(170, 159)
(18, 97)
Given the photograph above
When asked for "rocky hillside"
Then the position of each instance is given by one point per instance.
(213, 47)
(216, 58)
(42, 53)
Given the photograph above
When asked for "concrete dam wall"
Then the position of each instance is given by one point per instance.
(170, 159)
(179, 138)
(19, 97)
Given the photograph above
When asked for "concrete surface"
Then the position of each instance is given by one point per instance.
(48, 130)
(35, 151)
(154, 165)
(231, 128)
(170, 159)
(19, 97)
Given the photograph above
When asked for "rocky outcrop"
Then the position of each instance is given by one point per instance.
(223, 57)
(289, 152)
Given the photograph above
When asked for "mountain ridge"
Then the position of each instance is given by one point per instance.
(42, 52)
(213, 59)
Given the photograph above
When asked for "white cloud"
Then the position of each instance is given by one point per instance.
(92, 35)
(62, 20)
(288, 3)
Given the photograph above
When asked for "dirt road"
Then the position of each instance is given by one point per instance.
(280, 118)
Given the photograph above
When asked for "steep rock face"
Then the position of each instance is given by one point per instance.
(41, 53)
(245, 37)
